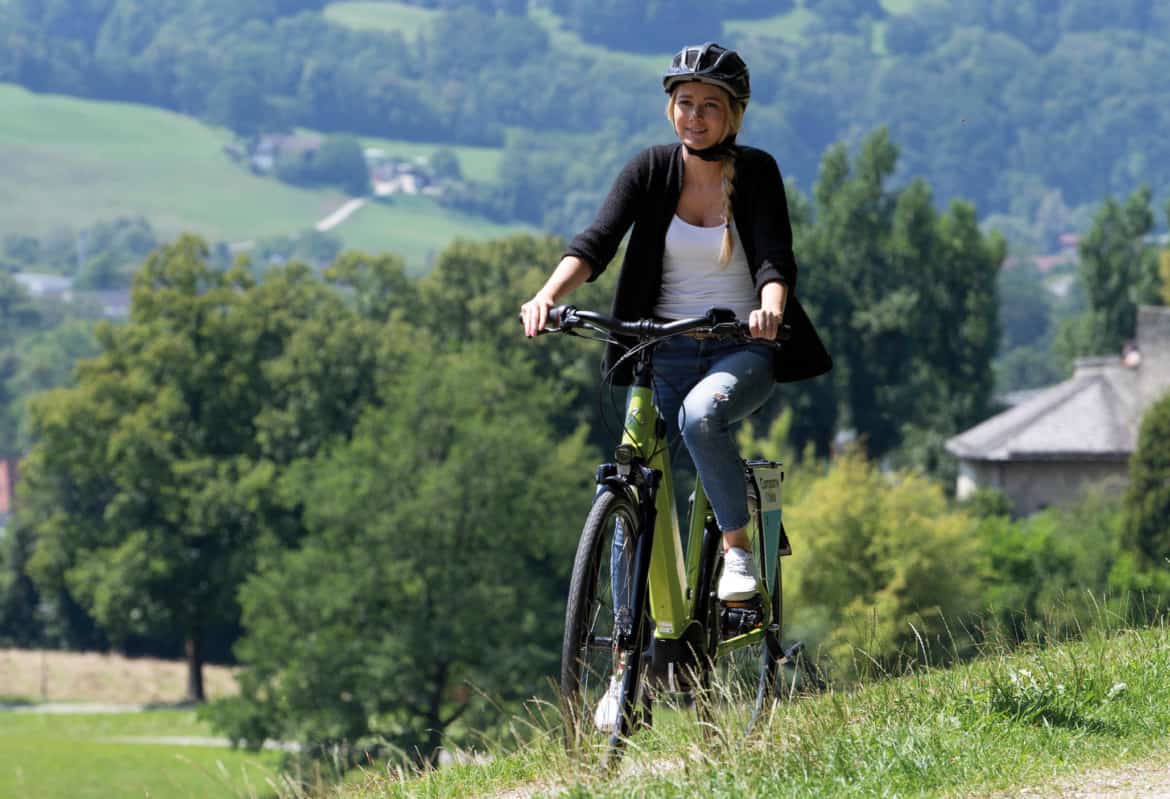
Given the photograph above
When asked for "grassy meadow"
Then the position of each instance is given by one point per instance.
(71, 756)
(164, 753)
(383, 15)
(410, 225)
(66, 162)
(1006, 722)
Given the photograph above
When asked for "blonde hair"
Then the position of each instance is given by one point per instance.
(733, 112)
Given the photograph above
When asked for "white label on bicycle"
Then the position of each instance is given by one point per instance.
(665, 627)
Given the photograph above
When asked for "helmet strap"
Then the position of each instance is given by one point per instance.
(716, 152)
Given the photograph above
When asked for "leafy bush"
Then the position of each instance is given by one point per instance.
(1047, 575)
(880, 564)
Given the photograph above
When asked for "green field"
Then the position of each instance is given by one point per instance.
(782, 26)
(48, 756)
(414, 227)
(381, 16)
(66, 162)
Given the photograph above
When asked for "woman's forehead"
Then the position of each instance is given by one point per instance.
(701, 91)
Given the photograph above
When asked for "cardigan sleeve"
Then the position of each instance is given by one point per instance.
(772, 228)
(599, 242)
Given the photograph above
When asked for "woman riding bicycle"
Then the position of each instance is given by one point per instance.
(710, 229)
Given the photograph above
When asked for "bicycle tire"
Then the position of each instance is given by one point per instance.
(591, 654)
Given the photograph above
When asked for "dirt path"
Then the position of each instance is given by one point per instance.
(1149, 779)
(341, 214)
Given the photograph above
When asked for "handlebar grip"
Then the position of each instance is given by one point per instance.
(559, 313)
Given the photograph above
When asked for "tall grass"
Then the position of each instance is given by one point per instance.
(1018, 715)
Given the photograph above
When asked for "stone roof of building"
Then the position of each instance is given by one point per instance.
(1094, 415)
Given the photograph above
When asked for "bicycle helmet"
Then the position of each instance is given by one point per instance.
(710, 63)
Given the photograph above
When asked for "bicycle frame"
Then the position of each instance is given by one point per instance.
(673, 578)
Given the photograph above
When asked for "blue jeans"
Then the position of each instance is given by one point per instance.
(702, 388)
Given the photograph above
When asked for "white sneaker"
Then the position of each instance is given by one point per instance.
(605, 716)
(739, 580)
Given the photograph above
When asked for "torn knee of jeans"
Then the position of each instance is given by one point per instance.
(719, 396)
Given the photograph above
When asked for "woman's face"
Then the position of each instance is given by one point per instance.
(700, 114)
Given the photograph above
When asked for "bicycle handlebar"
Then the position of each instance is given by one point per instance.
(717, 321)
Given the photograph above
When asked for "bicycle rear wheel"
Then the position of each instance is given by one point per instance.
(601, 658)
(749, 674)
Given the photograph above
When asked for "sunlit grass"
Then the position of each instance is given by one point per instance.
(1003, 722)
(69, 163)
(415, 227)
(783, 26)
(49, 756)
(409, 20)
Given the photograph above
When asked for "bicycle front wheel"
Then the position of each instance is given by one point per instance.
(601, 663)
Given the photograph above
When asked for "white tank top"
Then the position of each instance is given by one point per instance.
(693, 280)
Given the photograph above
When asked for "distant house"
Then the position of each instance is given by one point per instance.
(398, 176)
(269, 148)
(39, 284)
(1043, 450)
(114, 303)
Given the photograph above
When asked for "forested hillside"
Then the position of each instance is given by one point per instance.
(1006, 104)
(295, 456)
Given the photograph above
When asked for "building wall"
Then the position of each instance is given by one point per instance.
(1154, 345)
(1035, 485)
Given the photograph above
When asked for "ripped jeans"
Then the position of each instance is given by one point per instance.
(703, 387)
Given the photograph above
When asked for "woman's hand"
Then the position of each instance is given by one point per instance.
(570, 273)
(534, 313)
(765, 323)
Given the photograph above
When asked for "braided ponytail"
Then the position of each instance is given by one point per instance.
(728, 166)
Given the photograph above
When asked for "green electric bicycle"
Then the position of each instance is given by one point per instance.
(642, 617)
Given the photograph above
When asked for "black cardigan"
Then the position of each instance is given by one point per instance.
(646, 195)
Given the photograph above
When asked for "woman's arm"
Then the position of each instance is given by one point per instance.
(570, 273)
(772, 227)
(598, 243)
(765, 321)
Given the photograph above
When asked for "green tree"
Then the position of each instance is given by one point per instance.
(441, 537)
(445, 164)
(887, 275)
(1119, 272)
(153, 480)
(1146, 520)
(339, 161)
(18, 316)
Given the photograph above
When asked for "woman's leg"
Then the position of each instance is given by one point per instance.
(735, 386)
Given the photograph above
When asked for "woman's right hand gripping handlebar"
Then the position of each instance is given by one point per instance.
(570, 273)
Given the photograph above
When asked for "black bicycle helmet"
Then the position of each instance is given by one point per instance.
(710, 63)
